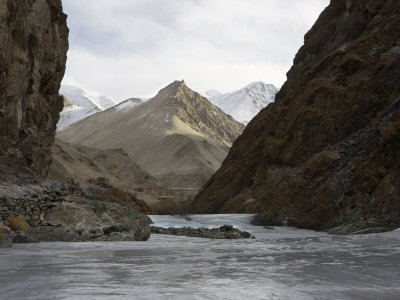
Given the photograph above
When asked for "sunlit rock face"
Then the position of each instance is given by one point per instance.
(33, 47)
(326, 153)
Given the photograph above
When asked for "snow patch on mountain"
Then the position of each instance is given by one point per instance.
(85, 97)
(129, 104)
(85, 102)
(73, 113)
(244, 104)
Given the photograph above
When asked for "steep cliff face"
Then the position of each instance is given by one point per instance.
(33, 47)
(326, 153)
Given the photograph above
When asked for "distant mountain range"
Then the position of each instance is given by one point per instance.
(179, 137)
(244, 104)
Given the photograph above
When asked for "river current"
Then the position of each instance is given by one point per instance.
(281, 263)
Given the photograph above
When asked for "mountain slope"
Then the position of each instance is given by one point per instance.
(178, 136)
(111, 165)
(83, 103)
(326, 153)
(129, 104)
(245, 103)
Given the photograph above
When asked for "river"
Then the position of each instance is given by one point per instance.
(281, 263)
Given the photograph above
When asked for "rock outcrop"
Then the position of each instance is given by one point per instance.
(326, 153)
(33, 48)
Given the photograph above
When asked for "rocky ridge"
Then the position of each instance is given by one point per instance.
(325, 155)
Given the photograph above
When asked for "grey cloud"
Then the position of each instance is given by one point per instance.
(128, 48)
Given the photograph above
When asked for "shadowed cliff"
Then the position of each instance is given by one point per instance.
(33, 52)
(326, 153)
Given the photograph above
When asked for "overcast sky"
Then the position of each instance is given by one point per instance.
(133, 48)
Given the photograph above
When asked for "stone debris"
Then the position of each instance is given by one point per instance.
(72, 211)
(223, 232)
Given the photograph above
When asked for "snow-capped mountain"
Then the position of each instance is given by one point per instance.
(73, 113)
(246, 103)
(85, 97)
(178, 136)
(211, 93)
(81, 103)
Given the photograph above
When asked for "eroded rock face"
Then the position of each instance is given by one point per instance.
(326, 153)
(33, 47)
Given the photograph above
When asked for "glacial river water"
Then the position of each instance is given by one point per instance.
(281, 263)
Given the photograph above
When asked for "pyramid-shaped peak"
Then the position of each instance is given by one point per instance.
(176, 84)
(186, 133)
(177, 92)
(173, 88)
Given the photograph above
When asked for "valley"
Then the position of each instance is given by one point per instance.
(266, 192)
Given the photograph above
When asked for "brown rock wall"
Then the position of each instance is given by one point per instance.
(327, 151)
(33, 47)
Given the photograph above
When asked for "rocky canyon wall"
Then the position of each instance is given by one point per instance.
(33, 48)
(326, 153)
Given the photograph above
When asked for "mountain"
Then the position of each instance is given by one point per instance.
(326, 153)
(85, 97)
(81, 103)
(245, 103)
(72, 113)
(178, 136)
